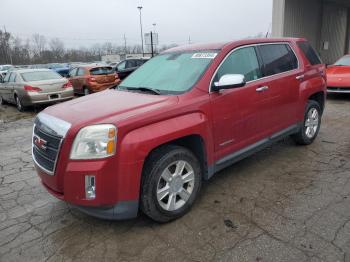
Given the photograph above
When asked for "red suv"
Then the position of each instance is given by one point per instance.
(177, 120)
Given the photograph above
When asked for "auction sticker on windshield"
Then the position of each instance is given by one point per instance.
(204, 55)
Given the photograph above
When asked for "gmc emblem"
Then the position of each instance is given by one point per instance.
(40, 143)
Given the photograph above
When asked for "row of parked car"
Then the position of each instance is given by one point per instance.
(52, 83)
(27, 86)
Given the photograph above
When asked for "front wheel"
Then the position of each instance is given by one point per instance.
(311, 125)
(170, 184)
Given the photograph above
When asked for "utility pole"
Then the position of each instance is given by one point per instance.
(152, 43)
(155, 45)
(189, 39)
(140, 8)
(124, 44)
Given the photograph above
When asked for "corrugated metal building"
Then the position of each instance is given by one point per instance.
(325, 23)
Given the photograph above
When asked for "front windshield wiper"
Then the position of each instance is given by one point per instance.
(143, 89)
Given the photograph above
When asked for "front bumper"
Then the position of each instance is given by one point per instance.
(338, 90)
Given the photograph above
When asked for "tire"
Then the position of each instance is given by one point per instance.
(19, 105)
(86, 91)
(2, 101)
(311, 124)
(164, 200)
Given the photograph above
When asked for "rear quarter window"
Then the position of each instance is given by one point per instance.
(310, 53)
(277, 58)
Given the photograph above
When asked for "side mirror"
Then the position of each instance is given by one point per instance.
(229, 81)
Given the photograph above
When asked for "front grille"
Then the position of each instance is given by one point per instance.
(46, 147)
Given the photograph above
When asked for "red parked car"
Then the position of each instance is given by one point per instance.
(180, 118)
(338, 76)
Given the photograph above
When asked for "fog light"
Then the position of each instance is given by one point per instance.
(90, 187)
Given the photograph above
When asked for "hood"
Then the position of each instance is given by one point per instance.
(106, 104)
(337, 71)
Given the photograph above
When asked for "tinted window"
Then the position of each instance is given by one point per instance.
(101, 71)
(277, 58)
(130, 63)
(310, 53)
(242, 61)
(40, 75)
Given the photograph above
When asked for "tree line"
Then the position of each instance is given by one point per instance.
(40, 50)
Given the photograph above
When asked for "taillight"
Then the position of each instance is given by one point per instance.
(67, 85)
(92, 79)
(32, 88)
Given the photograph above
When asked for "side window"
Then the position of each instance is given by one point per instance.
(12, 77)
(310, 53)
(73, 72)
(80, 71)
(277, 58)
(121, 66)
(242, 61)
(130, 63)
(7, 77)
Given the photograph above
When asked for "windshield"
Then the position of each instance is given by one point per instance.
(40, 75)
(101, 71)
(170, 73)
(344, 61)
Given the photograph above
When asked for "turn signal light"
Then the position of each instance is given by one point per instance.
(32, 89)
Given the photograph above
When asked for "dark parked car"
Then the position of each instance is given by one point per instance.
(126, 67)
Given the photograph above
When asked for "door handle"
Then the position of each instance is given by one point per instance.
(300, 77)
(262, 89)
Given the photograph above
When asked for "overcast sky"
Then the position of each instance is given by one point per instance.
(85, 22)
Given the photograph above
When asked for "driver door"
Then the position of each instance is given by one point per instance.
(239, 114)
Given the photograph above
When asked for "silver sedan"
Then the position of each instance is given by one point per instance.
(27, 87)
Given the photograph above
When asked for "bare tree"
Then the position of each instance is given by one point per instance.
(39, 44)
(57, 48)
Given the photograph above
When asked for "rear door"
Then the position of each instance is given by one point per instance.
(72, 77)
(281, 69)
(80, 79)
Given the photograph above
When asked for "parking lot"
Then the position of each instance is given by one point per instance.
(286, 203)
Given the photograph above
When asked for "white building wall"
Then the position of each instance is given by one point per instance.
(278, 18)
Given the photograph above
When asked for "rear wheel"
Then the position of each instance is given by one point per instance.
(170, 184)
(19, 105)
(311, 125)
(2, 101)
(86, 91)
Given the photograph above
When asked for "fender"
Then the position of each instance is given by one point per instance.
(137, 144)
(309, 87)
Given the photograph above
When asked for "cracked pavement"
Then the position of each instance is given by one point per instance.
(286, 203)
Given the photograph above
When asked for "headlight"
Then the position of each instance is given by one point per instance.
(94, 142)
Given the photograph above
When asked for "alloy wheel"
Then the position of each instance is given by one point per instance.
(175, 185)
(311, 123)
